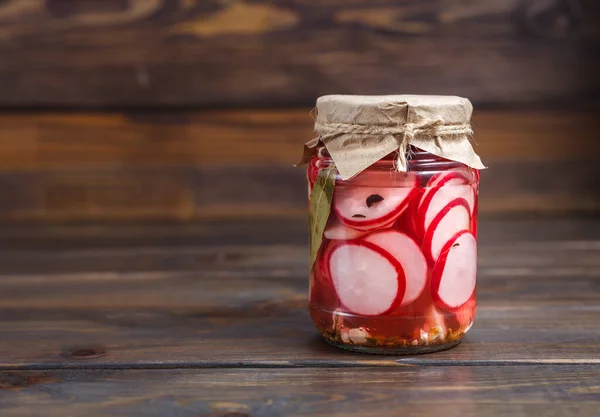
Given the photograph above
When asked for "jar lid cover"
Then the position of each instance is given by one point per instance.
(360, 130)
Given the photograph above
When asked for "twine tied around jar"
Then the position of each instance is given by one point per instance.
(403, 133)
(358, 131)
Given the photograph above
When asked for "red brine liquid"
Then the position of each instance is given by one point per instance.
(396, 269)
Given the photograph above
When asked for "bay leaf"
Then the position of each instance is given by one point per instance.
(319, 209)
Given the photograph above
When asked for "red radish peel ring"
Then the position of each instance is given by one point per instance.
(453, 218)
(367, 279)
(443, 187)
(440, 197)
(374, 223)
(404, 249)
(442, 179)
(455, 273)
(368, 208)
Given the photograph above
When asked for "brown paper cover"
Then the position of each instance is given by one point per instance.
(360, 130)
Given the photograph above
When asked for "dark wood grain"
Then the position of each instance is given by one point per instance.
(210, 320)
(190, 193)
(526, 244)
(32, 141)
(198, 165)
(167, 52)
(550, 391)
(93, 335)
(44, 239)
(217, 304)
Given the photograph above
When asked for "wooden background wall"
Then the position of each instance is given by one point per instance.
(185, 109)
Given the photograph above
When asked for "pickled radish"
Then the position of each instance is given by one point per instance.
(442, 189)
(449, 178)
(336, 230)
(453, 218)
(444, 179)
(386, 274)
(367, 206)
(454, 274)
(407, 222)
(440, 197)
(367, 279)
(404, 249)
(437, 198)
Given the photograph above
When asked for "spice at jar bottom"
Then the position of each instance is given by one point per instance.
(393, 194)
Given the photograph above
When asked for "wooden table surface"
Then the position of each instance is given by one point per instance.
(210, 320)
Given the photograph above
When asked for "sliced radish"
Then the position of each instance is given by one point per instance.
(336, 230)
(410, 257)
(441, 189)
(407, 222)
(449, 178)
(440, 197)
(445, 178)
(453, 218)
(369, 208)
(454, 274)
(367, 279)
(370, 203)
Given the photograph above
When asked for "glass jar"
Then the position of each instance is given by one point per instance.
(396, 268)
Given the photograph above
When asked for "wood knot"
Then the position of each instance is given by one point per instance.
(84, 353)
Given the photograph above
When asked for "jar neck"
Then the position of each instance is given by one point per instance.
(418, 161)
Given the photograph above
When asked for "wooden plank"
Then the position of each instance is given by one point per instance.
(48, 237)
(190, 193)
(230, 306)
(81, 279)
(167, 166)
(22, 240)
(60, 141)
(165, 52)
(65, 249)
(54, 140)
(550, 391)
(552, 258)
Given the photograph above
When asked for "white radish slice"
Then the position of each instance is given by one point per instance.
(412, 260)
(453, 218)
(443, 179)
(373, 199)
(367, 208)
(441, 189)
(336, 230)
(368, 281)
(440, 197)
(455, 273)
(429, 191)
